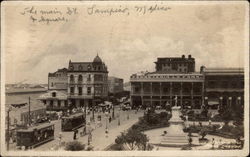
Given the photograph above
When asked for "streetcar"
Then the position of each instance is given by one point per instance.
(73, 122)
(35, 135)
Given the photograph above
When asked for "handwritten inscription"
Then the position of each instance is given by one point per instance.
(48, 16)
(151, 9)
(108, 11)
(142, 9)
(56, 15)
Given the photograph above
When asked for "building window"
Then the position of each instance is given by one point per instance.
(51, 103)
(59, 103)
(80, 90)
(80, 68)
(71, 90)
(80, 78)
(89, 90)
(52, 84)
(72, 78)
(89, 77)
(54, 94)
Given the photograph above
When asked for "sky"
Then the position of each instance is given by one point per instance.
(127, 42)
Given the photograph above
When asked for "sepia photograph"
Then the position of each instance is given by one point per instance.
(124, 78)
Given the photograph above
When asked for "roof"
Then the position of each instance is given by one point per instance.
(40, 126)
(64, 70)
(224, 71)
(97, 59)
(86, 66)
(73, 115)
(170, 72)
(60, 95)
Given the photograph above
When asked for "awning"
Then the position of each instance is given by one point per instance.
(213, 102)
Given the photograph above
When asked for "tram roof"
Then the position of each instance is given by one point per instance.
(38, 127)
(73, 115)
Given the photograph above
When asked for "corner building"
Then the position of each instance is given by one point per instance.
(87, 83)
(173, 81)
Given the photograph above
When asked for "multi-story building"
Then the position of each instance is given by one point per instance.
(174, 82)
(177, 64)
(223, 86)
(58, 80)
(115, 84)
(83, 83)
(185, 87)
(156, 88)
(87, 82)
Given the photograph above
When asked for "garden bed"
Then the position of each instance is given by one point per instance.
(152, 121)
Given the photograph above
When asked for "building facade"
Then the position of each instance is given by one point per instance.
(115, 84)
(58, 80)
(181, 85)
(87, 82)
(224, 86)
(159, 89)
(83, 83)
(177, 64)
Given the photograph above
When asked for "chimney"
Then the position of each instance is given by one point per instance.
(189, 56)
(183, 56)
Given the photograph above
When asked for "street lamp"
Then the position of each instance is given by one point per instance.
(230, 101)
(206, 98)
(239, 98)
(8, 127)
(106, 114)
(113, 113)
(221, 98)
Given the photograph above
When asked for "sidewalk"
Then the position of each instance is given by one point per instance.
(99, 140)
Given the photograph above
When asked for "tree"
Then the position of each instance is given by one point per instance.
(133, 138)
(74, 146)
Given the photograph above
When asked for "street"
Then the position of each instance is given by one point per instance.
(99, 139)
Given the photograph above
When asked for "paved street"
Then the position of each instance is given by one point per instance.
(99, 140)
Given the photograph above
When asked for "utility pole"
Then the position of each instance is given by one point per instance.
(93, 105)
(8, 128)
(29, 111)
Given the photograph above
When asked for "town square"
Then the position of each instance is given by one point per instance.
(144, 77)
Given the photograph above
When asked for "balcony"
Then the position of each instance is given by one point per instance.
(83, 96)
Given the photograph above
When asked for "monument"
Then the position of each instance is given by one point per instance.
(175, 135)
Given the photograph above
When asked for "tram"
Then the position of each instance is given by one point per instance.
(73, 122)
(35, 135)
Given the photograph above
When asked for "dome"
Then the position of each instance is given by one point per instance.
(97, 59)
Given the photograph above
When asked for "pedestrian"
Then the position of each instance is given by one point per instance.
(60, 138)
(213, 142)
(209, 122)
(74, 136)
(110, 119)
(106, 133)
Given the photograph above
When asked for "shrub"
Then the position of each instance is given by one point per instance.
(163, 115)
(74, 146)
(116, 147)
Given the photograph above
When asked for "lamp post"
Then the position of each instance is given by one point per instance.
(221, 98)
(239, 99)
(29, 111)
(206, 98)
(113, 113)
(230, 101)
(8, 127)
(106, 115)
(93, 111)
